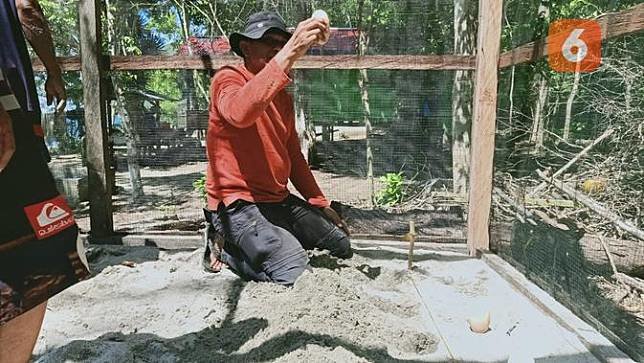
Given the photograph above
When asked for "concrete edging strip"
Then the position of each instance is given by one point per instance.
(603, 349)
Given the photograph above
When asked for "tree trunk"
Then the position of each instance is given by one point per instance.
(133, 140)
(569, 103)
(464, 35)
(188, 76)
(511, 95)
(305, 131)
(628, 95)
(541, 83)
(538, 126)
(363, 81)
(301, 123)
(130, 127)
(513, 71)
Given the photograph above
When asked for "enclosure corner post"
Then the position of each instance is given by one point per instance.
(484, 124)
(98, 161)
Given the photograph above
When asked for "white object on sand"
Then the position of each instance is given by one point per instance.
(480, 325)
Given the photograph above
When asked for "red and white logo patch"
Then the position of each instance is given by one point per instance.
(49, 217)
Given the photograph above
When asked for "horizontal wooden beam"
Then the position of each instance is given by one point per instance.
(391, 62)
(400, 62)
(613, 25)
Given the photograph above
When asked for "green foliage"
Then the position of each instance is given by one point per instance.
(199, 186)
(62, 16)
(166, 83)
(393, 192)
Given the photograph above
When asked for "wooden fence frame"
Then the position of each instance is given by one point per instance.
(402, 62)
(486, 63)
(628, 21)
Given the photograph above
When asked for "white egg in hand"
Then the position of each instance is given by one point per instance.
(320, 14)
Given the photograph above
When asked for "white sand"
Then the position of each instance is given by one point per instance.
(369, 308)
(165, 309)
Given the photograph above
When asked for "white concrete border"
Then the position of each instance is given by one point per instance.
(597, 344)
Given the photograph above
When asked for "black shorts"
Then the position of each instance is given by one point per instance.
(39, 252)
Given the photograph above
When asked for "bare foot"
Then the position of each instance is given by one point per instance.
(216, 264)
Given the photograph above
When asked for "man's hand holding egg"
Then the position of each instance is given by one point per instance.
(325, 35)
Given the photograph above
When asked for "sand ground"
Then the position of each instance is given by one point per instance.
(162, 307)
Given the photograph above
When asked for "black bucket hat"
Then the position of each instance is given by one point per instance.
(256, 26)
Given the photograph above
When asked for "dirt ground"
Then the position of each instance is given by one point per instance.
(166, 309)
(171, 203)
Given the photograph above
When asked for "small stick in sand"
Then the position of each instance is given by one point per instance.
(411, 237)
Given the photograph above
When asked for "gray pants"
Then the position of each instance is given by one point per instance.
(267, 241)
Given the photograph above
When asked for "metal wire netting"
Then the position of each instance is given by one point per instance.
(393, 145)
(569, 177)
(402, 119)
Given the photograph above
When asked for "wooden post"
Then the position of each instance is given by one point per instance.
(98, 162)
(484, 124)
(412, 239)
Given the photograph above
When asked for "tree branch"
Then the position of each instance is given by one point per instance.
(572, 161)
(595, 206)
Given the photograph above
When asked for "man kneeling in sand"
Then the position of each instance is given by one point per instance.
(253, 151)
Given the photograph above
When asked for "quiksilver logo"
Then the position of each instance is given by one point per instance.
(50, 213)
(49, 217)
(50, 229)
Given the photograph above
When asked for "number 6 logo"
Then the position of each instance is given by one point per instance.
(574, 45)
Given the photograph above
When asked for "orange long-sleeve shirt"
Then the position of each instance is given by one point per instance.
(252, 144)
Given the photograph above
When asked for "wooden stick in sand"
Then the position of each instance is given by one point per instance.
(411, 237)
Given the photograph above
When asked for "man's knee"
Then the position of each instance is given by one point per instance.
(343, 248)
(287, 271)
(338, 244)
(259, 247)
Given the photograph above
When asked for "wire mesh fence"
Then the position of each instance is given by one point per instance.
(568, 186)
(375, 138)
(392, 144)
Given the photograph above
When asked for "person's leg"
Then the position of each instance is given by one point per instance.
(224, 253)
(287, 262)
(314, 230)
(39, 255)
(18, 336)
(259, 249)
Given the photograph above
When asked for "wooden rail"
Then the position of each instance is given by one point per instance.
(628, 21)
(402, 62)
